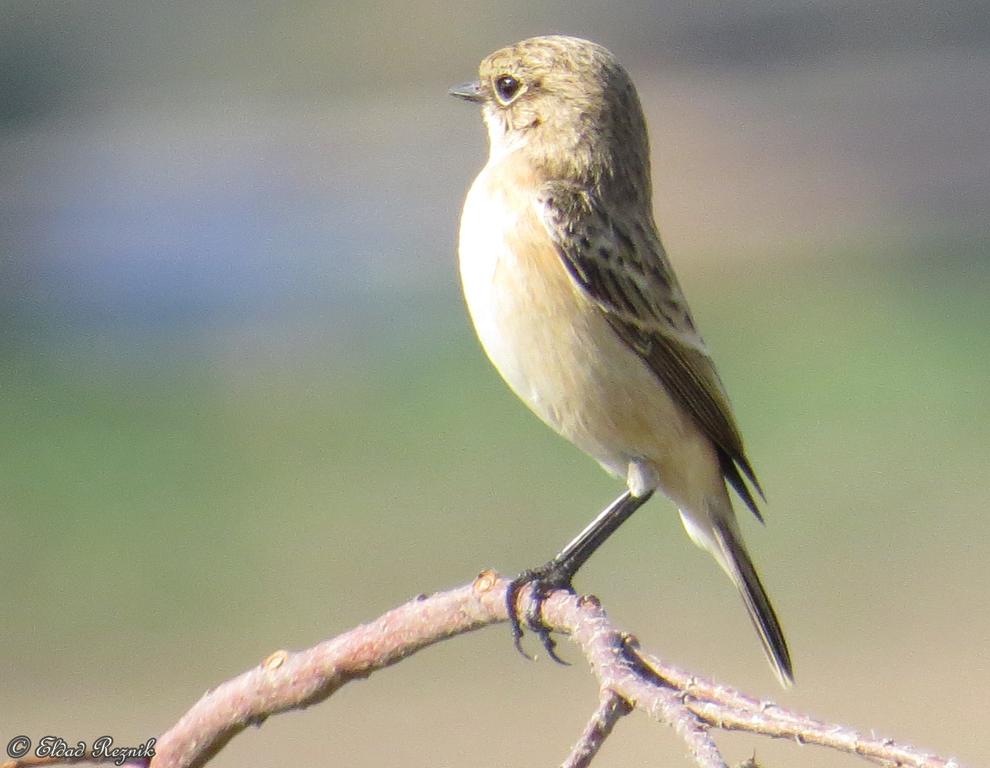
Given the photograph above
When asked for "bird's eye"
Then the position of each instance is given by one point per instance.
(506, 88)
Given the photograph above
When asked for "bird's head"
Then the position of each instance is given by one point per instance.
(569, 105)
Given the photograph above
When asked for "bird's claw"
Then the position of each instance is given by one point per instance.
(543, 580)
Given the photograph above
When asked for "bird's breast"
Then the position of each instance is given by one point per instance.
(521, 300)
(548, 339)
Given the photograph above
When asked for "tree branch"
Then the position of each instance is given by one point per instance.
(628, 680)
(611, 708)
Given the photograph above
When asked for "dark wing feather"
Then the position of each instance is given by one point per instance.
(621, 265)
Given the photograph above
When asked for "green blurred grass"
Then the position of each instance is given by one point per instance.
(206, 491)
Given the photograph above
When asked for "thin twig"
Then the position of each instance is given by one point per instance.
(628, 680)
(615, 664)
(724, 707)
(610, 710)
(294, 680)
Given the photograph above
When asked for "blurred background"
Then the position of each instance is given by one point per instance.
(242, 407)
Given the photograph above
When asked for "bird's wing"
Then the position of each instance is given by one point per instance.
(621, 265)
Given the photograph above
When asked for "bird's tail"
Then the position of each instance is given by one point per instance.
(736, 562)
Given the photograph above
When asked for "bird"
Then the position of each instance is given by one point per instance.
(576, 304)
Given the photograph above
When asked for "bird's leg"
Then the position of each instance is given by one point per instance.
(557, 573)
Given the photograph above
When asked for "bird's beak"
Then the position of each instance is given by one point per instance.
(468, 92)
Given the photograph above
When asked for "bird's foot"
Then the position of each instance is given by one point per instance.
(543, 580)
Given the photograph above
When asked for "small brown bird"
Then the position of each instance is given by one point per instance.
(575, 303)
